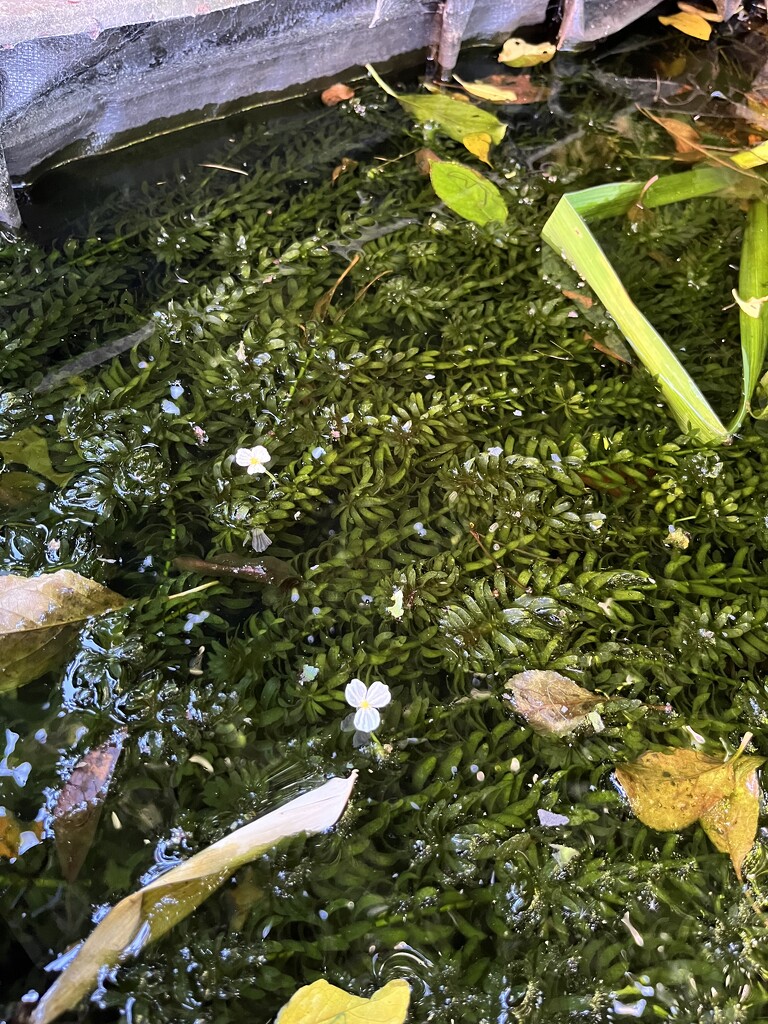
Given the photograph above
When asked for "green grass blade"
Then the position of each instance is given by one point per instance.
(753, 284)
(569, 235)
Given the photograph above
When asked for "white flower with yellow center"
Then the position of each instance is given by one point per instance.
(255, 459)
(367, 700)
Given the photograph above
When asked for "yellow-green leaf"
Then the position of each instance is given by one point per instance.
(150, 912)
(38, 618)
(517, 53)
(467, 192)
(29, 448)
(670, 790)
(455, 119)
(732, 823)
(551, 704)
(322, 1003)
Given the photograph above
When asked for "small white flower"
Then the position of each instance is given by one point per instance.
(255, 459)
(367, 700)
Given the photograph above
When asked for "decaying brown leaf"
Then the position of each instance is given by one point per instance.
(38, 618)
(423, 158)
(347, 164)
(671, 789)
(551, 703)
(257, 571)
(78, 809)
(336, 93)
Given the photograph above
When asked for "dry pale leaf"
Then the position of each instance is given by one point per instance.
(551, 704)
(149, 913)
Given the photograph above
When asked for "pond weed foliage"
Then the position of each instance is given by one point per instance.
(448, 432)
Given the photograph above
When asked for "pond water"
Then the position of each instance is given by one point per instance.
(463, 487)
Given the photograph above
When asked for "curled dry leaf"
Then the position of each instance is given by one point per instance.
(347, 164)
(39, 616)
(322, 1003)
(517, 53)
(336, 93)
(552, 704)
(671, 789)
(149, 913)
(78, 809)
(424, 159)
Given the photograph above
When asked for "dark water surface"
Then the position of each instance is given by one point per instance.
(465, 487)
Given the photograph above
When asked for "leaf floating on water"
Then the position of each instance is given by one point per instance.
(689, 24)
(78, 809)
(322, 1003)
(517, 53)
(507, 89)
(149, 913)
(467, 193)
(457, 120)
(551, 704)
(732, 823)
(672, 789)
(38, 618)
(479, 145)
(29, 448)
(336, 94)
(258, 571)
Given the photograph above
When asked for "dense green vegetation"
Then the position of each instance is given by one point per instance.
(450, 433)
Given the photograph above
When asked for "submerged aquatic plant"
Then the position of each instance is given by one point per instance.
(448, 438)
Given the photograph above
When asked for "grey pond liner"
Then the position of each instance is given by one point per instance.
(80, 78)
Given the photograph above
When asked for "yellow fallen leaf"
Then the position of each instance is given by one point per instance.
(508, 89)
(322, 1003)
(551, 704)
(670, 790)
(690, 24)
(693, 9)
(517, 53)
(732, 823)
(479, 145)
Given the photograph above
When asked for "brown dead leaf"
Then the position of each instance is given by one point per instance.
(423, 158)
(347, 164)
(78, 809)
(672, 789)
(551, 704)
(685, 137)
(585, 301)
(336, 94)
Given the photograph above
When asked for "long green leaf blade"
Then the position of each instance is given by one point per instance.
(753, 284)
(569, 235)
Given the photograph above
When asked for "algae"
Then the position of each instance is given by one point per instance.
(450, 435)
